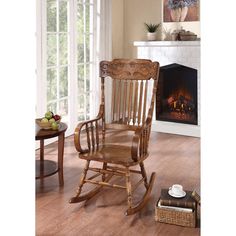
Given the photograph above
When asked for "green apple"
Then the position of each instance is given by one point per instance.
(48, 115)
(51, 120)
(44, 120)
(54, 125)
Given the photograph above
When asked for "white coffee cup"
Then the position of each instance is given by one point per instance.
(177, 189)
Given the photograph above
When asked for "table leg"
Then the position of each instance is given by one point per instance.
(41, 150)
(61, 138)
(41, 157)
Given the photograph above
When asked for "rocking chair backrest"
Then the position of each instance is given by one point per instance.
(134, 85)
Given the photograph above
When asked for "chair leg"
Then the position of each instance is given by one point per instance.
(128, 188)
(145, 198)
(83, 176)
(144, 174)
(104, 168)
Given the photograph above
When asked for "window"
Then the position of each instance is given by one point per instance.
(57, 63)
(71, 36)
(85, 56)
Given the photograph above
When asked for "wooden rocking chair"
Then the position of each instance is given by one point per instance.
(131, 110)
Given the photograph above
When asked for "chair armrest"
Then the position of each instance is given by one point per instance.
(140, 140)
(92, 135)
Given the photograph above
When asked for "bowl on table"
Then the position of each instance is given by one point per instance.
(45, 125)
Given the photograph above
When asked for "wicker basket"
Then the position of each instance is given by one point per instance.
(169, 216)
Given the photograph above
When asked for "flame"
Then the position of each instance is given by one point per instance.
(180, 101)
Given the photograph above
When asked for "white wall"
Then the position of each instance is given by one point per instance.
(128, 24)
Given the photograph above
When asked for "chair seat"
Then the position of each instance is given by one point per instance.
(110, 153)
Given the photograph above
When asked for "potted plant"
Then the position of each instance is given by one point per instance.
(151, 31)
(179, 9)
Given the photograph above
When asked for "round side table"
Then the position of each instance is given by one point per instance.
(45, 168)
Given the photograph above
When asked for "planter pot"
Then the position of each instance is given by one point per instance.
(151, 36)
(179, 14)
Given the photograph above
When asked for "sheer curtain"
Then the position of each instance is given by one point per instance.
(102, 48)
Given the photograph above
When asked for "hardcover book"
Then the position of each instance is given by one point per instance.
(196, 196)
(167, 200)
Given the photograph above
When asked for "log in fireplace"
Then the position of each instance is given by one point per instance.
(176, 99)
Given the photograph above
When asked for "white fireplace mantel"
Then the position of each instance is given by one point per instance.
(166, 43)
(186, 53)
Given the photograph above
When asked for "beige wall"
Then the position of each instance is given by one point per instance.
(128, 24)
(117, 28)
(136, 12)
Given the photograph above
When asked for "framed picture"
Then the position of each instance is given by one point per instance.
(180, 10)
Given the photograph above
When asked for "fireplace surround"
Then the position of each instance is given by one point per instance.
(185, 54)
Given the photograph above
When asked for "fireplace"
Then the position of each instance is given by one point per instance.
(176, 99)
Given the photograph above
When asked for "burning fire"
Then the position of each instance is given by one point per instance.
(180, 103)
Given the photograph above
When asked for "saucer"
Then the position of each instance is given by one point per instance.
(183, 194)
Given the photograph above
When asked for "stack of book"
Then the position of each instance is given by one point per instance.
(179, 211)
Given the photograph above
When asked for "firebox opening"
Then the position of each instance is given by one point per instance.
(177, 94)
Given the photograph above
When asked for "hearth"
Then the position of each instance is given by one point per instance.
(176, 99)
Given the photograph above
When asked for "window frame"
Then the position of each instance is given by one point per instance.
(101, 40)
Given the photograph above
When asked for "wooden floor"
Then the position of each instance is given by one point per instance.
(174, 158)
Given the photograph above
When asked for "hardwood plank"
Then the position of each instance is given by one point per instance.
(174, 158)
